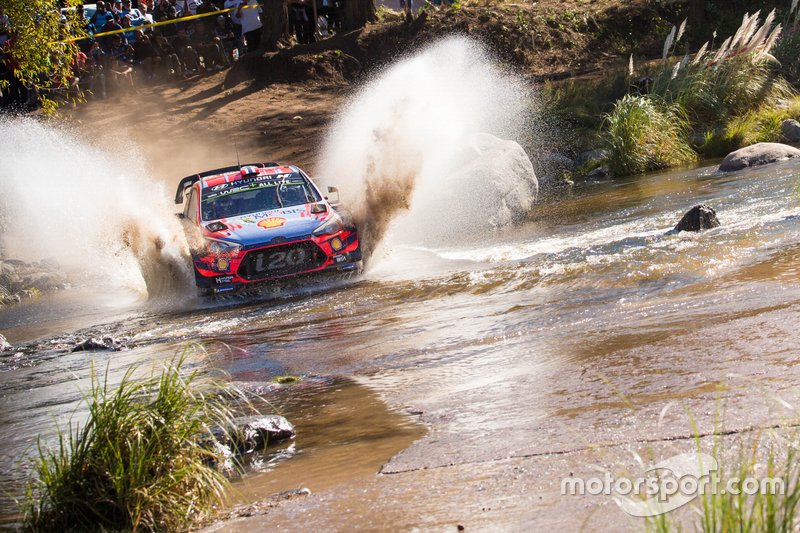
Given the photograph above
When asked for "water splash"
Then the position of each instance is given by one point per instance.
(423, 138)
(93, 209)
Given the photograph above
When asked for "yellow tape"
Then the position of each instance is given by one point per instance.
(156, 24)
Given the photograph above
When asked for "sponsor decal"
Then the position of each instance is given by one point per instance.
(271, 222)
(223, 279)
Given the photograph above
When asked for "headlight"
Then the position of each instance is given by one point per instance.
(222, 248)
(330, 226)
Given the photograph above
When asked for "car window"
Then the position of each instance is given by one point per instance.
(295, 192)
(191, 205)
(254, 195)
(237, 202)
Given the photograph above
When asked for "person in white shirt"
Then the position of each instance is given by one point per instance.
(248, 17)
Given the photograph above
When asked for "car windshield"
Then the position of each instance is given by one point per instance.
(251, 196)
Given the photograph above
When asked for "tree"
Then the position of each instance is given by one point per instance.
(275, 18)
(697, 12)
(358, 12)
(41, 51)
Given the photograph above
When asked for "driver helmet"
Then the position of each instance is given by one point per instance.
(225, 206)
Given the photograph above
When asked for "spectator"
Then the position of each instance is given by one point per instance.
(107, 41)
(101, 16)
(145, 55)
(227, 35)
(147, 18)
(95, 65)
(190, 60)
(128, 36)
(301, 22)
(167, 55)
(247, 17)
(210, 47)
(134, 14)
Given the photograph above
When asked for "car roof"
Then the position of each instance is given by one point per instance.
(245, 172)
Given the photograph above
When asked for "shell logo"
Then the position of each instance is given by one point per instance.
(271, 222)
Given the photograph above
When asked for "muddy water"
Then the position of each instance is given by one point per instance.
(490, 340)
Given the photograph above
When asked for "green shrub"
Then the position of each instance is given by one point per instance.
(644, 133)
(138, 462)
(762, 125)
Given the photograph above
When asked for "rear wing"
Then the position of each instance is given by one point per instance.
(188, 181)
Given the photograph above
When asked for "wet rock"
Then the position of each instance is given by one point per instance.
(50, 263)
(598, 174)
(558, 160)
(551, 187)
(44, 281)
(757, 154)
(93, 345)
(790, 129)
(591, 157)
(698, 218)
(5, 346)
(254, 433)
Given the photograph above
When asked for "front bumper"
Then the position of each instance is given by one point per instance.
(269, 262)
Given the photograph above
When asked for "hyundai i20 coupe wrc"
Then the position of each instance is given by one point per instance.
(261, 222)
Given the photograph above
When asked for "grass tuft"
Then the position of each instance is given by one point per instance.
(644, 133)
(728, 505)
(138, 462)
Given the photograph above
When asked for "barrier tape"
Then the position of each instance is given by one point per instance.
(161, 23)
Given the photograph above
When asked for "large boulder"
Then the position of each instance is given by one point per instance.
(757, 154)
(698, 218)
(790, 129)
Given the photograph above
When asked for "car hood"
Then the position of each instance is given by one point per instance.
(264, 227)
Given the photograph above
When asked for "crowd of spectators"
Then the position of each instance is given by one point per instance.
(176, 49)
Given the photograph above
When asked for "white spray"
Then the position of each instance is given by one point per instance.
(93, 210)
(423, 137)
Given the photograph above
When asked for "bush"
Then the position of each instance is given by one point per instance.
(138, 462)
(762, 125)
(644, 133)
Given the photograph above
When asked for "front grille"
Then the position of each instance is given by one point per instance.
(281, 260)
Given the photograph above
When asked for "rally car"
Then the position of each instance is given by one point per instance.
(261, 222)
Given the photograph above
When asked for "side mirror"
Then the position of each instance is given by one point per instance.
(180, 215)
(333, 196)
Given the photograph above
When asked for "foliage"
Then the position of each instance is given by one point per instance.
(761, 125)
(138, 462)
(787, 50)
(644, 133)
(584, 102)
(715, 85)
(38, 48)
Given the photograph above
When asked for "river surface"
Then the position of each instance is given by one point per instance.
(509, 345)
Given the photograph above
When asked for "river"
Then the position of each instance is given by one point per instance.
(572, 329)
